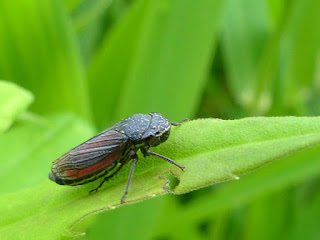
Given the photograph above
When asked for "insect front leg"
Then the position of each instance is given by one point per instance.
(147, 152)
(134, 161)
(144, 150)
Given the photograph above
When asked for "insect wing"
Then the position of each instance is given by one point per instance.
(89, 160)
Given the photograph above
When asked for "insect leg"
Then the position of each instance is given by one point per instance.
(164, 158)
(106, 179)
(134, 161)
(179, 123)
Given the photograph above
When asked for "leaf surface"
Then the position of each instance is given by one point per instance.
(212, 151)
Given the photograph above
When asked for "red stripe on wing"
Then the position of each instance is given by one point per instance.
(76, 173)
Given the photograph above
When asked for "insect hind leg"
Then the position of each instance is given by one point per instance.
(106, 179)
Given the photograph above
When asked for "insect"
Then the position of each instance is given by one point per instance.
(106, 153)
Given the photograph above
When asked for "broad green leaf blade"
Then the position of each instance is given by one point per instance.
(211, 150)
(150, 55)
(31, 148)
(38, 51)
(233, 148)
(13, 100)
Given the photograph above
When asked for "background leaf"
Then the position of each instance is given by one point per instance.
(39, 53)
(13, 100)
(153, 52)
(242, 41)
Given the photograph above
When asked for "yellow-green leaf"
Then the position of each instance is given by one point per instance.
(13, 100)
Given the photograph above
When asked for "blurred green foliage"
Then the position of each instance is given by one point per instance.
(102, 60)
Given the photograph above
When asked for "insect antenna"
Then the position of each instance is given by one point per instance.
(179, 123)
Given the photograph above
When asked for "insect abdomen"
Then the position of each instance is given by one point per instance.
(90, 160)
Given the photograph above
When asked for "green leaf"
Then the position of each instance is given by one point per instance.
(244, 33)
(13, 100)
(150, 54)
(305, 218)
(38, 51)
(300, 49)
(212, 151)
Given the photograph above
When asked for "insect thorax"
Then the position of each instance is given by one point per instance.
(145, 129)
